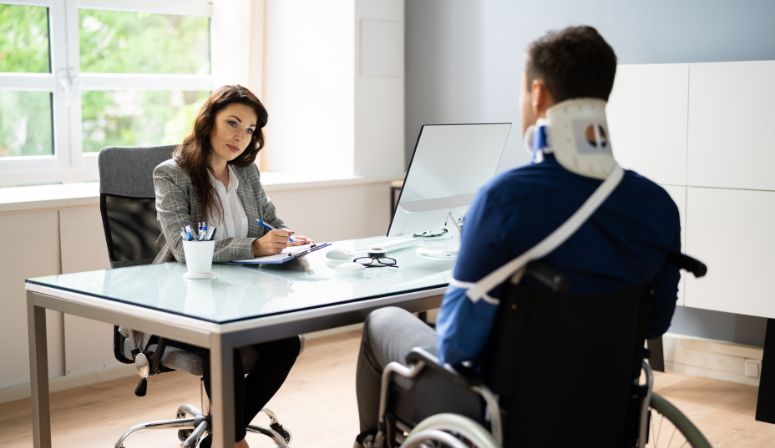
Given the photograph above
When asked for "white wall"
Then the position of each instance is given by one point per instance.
(379, 89)
(334, 87)
(308, 86)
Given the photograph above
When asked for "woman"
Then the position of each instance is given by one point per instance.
(212, 177)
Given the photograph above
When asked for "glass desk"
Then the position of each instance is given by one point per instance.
(242, 305)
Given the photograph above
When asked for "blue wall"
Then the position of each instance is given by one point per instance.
(464, 59)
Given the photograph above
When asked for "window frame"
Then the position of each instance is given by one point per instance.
(66, 83)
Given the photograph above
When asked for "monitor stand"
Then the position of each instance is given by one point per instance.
(441, 252)
(445, 248)
(394, 244)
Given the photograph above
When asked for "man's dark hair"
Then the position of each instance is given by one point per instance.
(575, 62)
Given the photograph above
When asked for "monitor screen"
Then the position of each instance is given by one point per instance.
(450, 163)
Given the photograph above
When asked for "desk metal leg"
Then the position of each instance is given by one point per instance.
(657, 358)
(765, 404)
(222, 405)
(41, 417)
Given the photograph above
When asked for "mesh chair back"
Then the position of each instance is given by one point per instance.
(564, 365)
(128, 209)
(127, 202)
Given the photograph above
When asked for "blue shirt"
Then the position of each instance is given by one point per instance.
(624, 243)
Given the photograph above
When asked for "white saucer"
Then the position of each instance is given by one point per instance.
(202, 276)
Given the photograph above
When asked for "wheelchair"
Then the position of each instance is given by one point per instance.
(551, 375)
(661, 424)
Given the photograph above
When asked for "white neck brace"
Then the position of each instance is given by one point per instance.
(576, 132)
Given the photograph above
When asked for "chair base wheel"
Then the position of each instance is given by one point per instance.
(183, 434)
(278, 428)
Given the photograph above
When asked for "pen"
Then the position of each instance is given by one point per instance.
(261, 223)
(189, 235)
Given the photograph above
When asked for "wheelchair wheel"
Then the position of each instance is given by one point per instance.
(669, 427)
(450, 431)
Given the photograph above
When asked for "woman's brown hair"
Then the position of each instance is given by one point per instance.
(193, 153)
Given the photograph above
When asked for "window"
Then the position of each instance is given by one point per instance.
(77, 76)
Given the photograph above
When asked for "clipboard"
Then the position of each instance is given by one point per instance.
(288, 254)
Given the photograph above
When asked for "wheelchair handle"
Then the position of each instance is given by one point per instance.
(687, 263)
(458, 373)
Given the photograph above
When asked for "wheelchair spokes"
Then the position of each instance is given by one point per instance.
(449, 431)
(670, 428)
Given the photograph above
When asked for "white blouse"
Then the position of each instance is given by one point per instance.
(235, 220)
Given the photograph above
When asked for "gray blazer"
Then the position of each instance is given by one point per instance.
(177, 205)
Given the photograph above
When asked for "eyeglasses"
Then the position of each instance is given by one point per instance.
(377, 261)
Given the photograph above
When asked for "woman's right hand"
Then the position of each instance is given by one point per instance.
(272, 243)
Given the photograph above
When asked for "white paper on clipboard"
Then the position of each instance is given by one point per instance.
(288, 254)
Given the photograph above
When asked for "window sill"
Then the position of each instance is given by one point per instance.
(38, 197)
(88, 193)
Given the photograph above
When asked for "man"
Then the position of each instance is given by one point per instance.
(623, 243)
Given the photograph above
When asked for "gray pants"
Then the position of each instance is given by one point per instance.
(389, 334)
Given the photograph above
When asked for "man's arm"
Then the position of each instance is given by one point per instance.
(665, 283)
(665, 296)
(464, 324)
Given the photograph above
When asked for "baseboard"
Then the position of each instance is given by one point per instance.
(61, 383)
(710, 358)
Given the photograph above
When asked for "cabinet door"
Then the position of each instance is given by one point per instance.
(88, 343)
(731, 126)
(30, 248)
(647, 119)
(731, 231)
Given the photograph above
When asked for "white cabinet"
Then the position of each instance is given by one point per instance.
(731, 142)
(647, 120)
(30, 248)
(88, 343)
(706, 133)
(732, 232)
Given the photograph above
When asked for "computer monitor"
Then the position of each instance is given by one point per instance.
(449, 165)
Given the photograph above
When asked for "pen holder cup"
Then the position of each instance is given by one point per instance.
(199, 258)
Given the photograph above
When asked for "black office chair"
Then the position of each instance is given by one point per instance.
(128, 208)
(558, 370)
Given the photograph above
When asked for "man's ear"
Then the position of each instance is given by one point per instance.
(541, 98)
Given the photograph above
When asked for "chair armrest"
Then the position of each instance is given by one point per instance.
(458, 374)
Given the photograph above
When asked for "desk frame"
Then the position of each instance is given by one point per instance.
(221, 339)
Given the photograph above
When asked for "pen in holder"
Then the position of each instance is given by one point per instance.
(199, 258)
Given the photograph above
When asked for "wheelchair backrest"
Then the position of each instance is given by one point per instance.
(564, 366)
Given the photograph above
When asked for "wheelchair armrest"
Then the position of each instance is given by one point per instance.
(458, 374)
(547, 275)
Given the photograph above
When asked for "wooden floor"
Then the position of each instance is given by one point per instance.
(318, 405)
